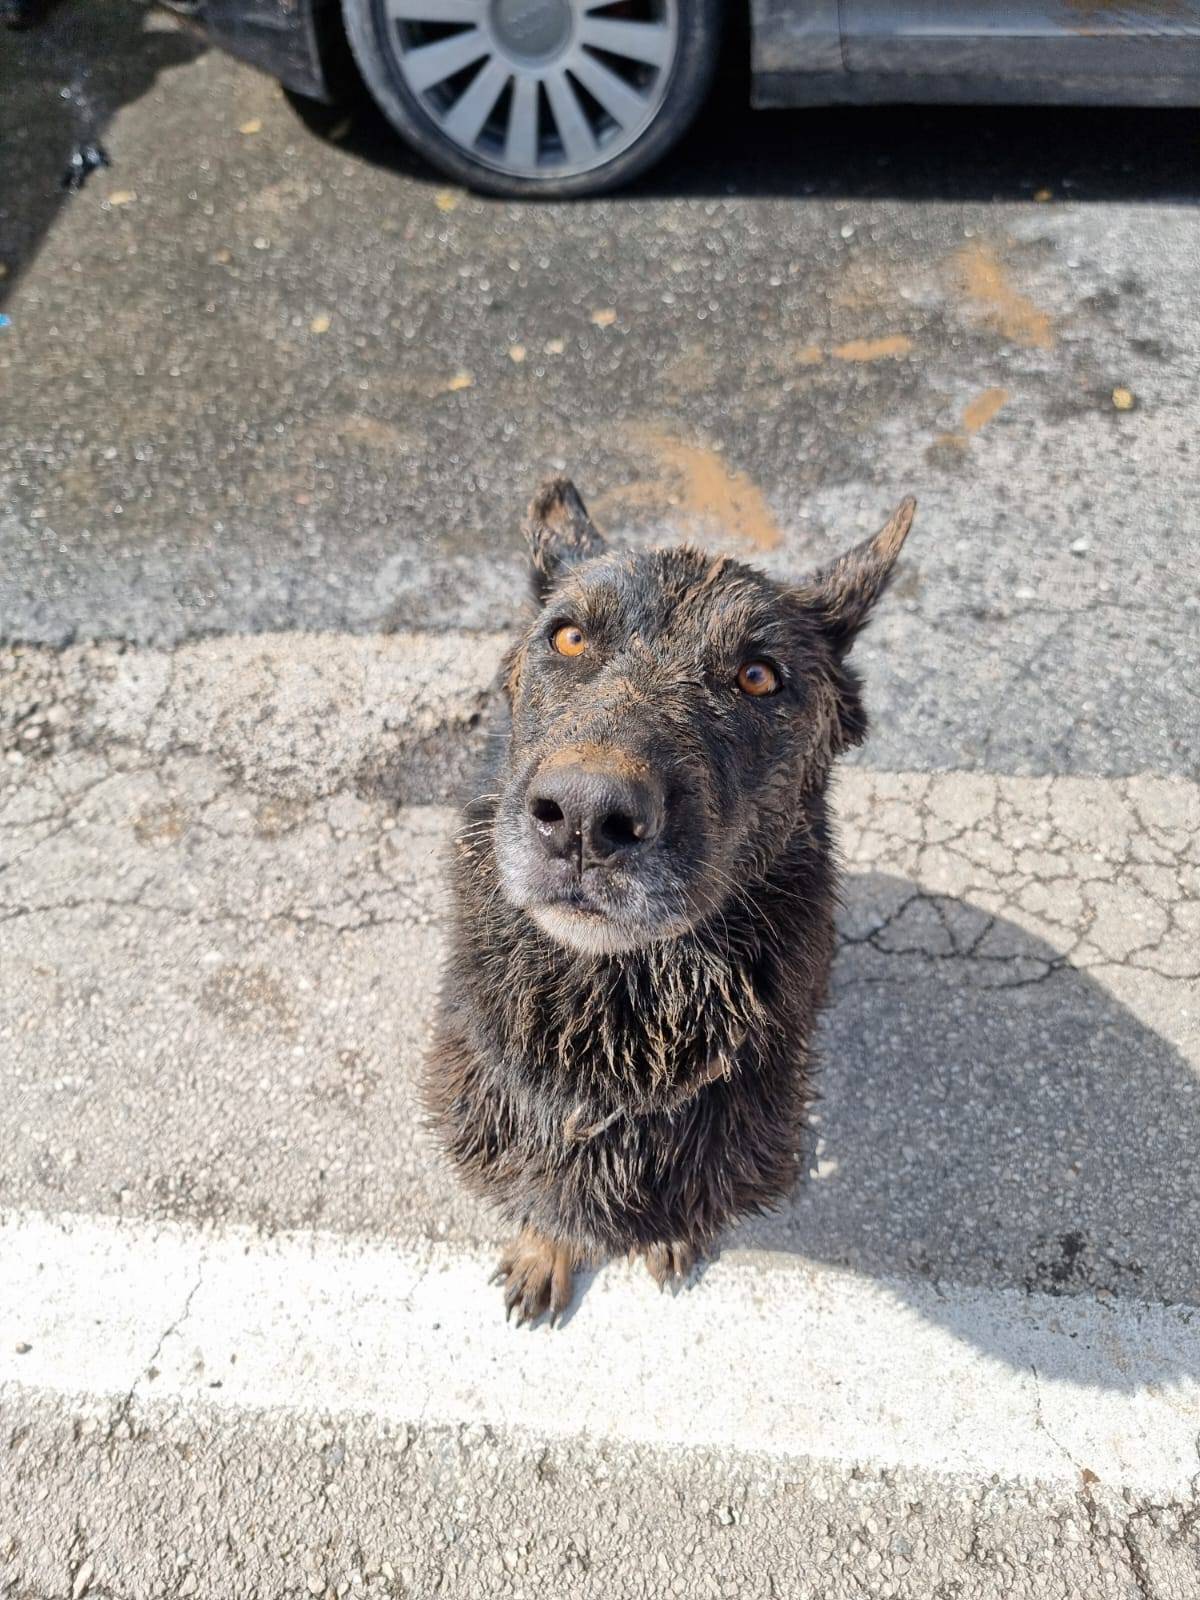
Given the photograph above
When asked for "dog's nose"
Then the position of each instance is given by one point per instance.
(601, 816)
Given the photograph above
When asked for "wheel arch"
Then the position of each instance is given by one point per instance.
(296, 41)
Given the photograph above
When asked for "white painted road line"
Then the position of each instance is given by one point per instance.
(764, 1354)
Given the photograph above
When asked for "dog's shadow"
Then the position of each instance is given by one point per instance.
(1000, 1122)
(586, 1276)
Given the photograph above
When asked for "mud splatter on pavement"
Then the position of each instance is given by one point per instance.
(977, 413)
(985, 282)
(700, 489)
(980, 411)
(888, 348)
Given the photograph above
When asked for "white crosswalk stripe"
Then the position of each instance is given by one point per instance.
(844, 1371)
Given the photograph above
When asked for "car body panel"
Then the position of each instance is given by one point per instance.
(788, 37)
(821, 52)
(1114, 52)
(794, 89)
(1077, 39)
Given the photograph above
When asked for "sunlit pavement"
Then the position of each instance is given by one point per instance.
(274, 399)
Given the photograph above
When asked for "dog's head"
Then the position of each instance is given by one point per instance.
(672, 714)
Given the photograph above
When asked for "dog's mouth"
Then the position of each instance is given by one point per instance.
(579, 922)
(577, 902)
(601, 913)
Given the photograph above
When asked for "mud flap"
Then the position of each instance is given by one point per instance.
(285, 38)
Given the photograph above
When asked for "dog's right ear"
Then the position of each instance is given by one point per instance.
(844, 593)
(559, 534)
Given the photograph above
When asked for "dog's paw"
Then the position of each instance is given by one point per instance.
(670, 1262)
(537, 1274)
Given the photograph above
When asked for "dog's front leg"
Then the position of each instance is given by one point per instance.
(669, 1263)
(538, 1275)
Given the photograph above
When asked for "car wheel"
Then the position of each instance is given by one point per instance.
(537, 97)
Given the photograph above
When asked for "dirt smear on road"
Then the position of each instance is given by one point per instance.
(977, 413)
(980, 411)
(699, 487)
(984, 281)
(889, 348)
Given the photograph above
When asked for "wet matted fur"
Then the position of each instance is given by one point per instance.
(644, 895)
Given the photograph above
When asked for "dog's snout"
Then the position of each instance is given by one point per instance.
(600, 816)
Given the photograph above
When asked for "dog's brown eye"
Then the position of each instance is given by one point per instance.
(570, 640)
(756, 677)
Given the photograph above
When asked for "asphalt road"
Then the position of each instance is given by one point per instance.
(799, 319)
(271, 402)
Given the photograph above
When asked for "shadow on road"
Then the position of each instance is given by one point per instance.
(62, 79)
(913, 153)
(999, 1121)
(939, 153)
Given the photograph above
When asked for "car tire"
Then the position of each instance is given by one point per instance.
(555, 110)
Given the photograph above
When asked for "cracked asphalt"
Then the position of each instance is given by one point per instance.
(219, 910)
(274, 400)
(1059, 918)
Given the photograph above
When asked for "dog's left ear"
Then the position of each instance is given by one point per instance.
(559, 534)
(844, 593)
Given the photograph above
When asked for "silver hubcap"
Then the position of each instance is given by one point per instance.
(531, 30)
(536, 88)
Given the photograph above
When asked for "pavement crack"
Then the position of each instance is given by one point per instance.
(1138, 1565)
(123, 1415)
(1137, 1561)
(174, 1326)
(1039, 1422)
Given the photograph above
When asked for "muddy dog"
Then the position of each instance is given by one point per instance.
(644, 899)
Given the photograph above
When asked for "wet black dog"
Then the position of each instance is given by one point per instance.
(644, 904)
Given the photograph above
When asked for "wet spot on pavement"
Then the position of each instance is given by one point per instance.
(163, 823)
(278, 816)
(249, 999)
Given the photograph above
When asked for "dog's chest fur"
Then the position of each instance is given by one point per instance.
(643, 1097)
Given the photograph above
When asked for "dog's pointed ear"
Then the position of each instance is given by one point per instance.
(559, 534)
(844, 593)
